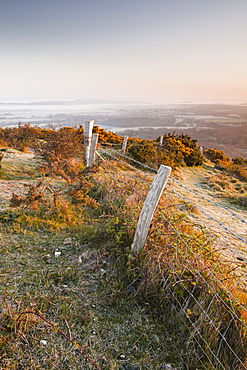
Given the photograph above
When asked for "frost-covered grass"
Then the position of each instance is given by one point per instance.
(64, 292)
(72, 297)
(79, 290)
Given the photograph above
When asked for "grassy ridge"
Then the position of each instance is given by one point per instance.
(65, 247)
(66, 263)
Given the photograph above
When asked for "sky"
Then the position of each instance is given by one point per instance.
(154, 50)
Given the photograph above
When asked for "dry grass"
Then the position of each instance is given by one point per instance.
(225, 184)
(123, 313)
(76, 281)
(182, 264)
(79, 290)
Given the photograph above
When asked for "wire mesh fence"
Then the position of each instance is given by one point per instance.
(197, 250)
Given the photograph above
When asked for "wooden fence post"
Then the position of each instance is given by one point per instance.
(148, 208)
(93, 149)
(161, 139)
(124, 144)
(88, 130)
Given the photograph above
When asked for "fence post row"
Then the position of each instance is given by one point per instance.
(88, 130)
(93, 149)
(124, 144)
(148, 208)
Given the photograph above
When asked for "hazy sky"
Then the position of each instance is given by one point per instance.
(123, 49)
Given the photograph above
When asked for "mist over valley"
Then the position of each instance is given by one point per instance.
(219, 126)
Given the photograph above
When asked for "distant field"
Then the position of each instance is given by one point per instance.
(220, 126)
(232, 121)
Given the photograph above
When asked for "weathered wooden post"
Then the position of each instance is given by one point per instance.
(148, 208)
(161, 140)
(88, 130)
(93, 149)
(201, 150)
(124, 144)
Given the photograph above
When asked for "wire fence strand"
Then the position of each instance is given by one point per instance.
(203, 264)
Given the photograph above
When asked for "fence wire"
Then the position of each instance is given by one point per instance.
(202, 261)
(114, 154)
(203, 284)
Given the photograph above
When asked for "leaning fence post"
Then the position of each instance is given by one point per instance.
(124, 144)
(93, 149)
(88, 130)
(148, 208)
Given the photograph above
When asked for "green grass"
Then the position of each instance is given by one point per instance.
(86, 300)
(67, 282)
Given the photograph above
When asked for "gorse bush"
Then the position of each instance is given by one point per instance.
(60, 193)
(240, 161)
(216, 156)
(106, 137)
(67, 142)
(236, 167)
(21, 137)
(174, 151)
(179, 280)
(144, 152)
(61, 144)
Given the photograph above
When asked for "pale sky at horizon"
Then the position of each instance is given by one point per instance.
(115, 49)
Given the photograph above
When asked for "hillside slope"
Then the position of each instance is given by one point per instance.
(216, 212)
(71, 275)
